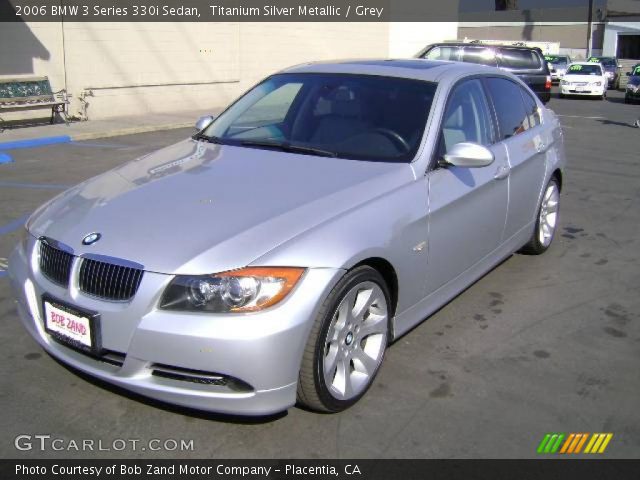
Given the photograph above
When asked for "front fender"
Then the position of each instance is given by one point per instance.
(392, 227)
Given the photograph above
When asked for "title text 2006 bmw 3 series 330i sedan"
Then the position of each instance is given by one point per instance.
(273, 257)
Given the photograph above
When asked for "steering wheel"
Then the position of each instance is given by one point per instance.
(397, 139)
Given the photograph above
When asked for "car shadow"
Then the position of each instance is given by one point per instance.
(620, 124)
(167, 407)
(615, 99)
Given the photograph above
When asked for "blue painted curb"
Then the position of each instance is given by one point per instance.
(35, 142)
(13, 225)
(5, 158)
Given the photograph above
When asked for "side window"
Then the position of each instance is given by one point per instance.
(519, 59)
(443, 53)
(481, 55)
(466, 118)
(507, 100)
(530, 106)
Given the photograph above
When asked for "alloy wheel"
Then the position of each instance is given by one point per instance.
(548, 214)
(355, 341)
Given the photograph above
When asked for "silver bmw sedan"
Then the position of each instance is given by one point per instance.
(271, 258)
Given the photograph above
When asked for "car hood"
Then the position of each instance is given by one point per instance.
(196, 207)
(634, 80)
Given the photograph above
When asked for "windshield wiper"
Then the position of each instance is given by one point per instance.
(207, 138)
(288, 147)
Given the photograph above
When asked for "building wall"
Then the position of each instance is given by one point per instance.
(616, 28)
(32, 49)
(408, 38)
(138, 68)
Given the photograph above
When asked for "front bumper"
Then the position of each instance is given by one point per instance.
(587, 90)
(262, 350)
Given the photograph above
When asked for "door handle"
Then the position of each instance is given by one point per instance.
(501, 173)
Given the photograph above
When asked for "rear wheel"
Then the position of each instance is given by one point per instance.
(347, 342)
(546, 221)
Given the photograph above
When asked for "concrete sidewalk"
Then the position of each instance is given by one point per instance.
(13, 137)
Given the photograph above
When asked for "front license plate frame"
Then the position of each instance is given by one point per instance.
(86, 317)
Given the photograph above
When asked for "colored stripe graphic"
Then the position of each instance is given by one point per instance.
(567, 443)
(551, 442)
(598, 443)
(581, 443)
(543, 443)
(573, 443)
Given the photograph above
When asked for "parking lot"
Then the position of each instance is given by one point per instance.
(540, 344)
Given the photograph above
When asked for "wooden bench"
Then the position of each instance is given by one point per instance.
(28, 93)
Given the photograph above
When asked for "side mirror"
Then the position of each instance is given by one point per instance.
(470, 155)
(204, 122)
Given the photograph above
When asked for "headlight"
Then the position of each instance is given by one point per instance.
(596, 84)
(245, 290)
(608, 74)
(564, 82)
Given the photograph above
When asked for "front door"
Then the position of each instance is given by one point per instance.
(467, 206)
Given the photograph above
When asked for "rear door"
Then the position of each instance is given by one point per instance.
(521, 133)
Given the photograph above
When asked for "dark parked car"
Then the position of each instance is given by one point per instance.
(611, 69)
(525, 62)
(632, 92)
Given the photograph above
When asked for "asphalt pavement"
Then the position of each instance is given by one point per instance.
(540, 344)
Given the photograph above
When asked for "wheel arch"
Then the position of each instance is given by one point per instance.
(557, 174)
(388, 272)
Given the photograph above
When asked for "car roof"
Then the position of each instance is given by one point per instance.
(585, 63)
(480, 44)
(418, 69)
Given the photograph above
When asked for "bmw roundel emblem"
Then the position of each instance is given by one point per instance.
(91, 238)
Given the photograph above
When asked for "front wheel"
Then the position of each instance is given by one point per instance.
(547, 220)
(347, 342)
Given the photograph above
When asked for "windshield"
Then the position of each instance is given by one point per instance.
(636, 70)
(556, 61)
(581, 69)
(605, 61)
(361, 117)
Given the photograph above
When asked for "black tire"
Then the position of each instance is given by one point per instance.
(562, 95)
(534, 246)
(313, 392)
